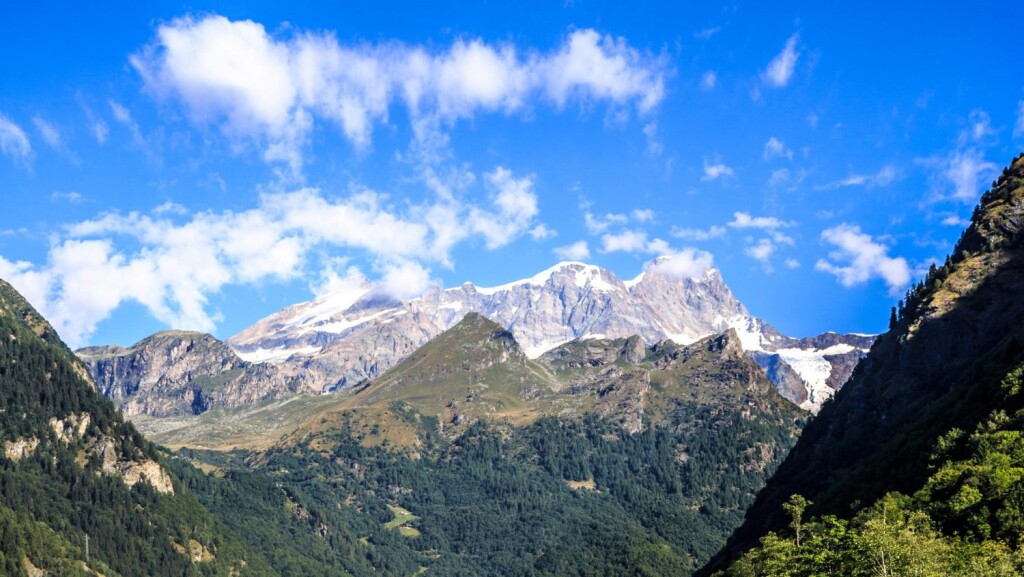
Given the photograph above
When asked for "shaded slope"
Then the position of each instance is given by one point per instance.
(939, 368)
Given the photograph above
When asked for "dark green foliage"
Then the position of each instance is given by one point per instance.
(497, 501)
(56, 497)
(967, 519)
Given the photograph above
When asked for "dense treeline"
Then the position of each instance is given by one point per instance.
(497, 500)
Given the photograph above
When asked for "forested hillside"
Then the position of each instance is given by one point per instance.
(918, 463)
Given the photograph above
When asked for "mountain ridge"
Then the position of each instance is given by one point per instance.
(344, 338)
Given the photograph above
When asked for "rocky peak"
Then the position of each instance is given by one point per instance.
(175, 372)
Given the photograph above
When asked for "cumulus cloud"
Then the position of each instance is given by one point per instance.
(575, 251)
(715, 171)
(625, 241)
(780, 69)
(13, 141)
(170, 261)
(762, 251)
(858, 258)
(272, 90)
(685, 263)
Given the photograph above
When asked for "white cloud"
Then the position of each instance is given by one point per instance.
(48, 132)
(654, 145)
(884, 177)
(597, 224)
(775, 148)
(698, 234)
(707, 33)
(170, 261)
(13, 141)
(862, 259)
(685, 263)
(124, 117)
(780, 69)
(979, 128)
(954, 220)
(708, 80)
(715, 171)
(968, 172)
(72, 197)
(792, 263)
(542, 232)
(642, 214)
(100, 130)
(1018, 128)
(762, 251)
(625, 241)
(269, 90)
(575, 251)
(745, 220)
(779, 176)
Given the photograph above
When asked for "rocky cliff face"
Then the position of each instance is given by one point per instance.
(340, 340)
(179, 372)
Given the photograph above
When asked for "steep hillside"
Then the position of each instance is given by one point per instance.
(178, 372)
(81, 493)
(919, 401)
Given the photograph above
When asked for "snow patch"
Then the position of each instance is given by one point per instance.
(814, 370)
(277, 355)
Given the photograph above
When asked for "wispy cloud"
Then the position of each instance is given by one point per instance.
(698, 234)
(884, 177)
(780, 69)
(48, 133)
(707, 33)
(14, 142)
(745, 220)
(71, 197)
(775, 148)
(709, 80)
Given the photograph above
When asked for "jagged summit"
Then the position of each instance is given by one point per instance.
(356, 332)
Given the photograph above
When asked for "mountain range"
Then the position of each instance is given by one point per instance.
(347, 338)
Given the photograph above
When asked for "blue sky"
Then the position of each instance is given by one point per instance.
(203, 165)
